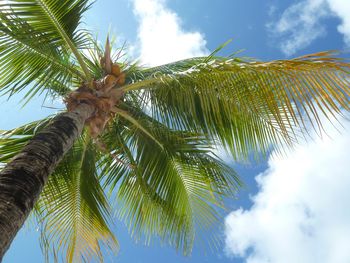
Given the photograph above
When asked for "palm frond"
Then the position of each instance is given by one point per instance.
(57, 19)
(26, 60)
(92, 56)
(172, 191)
(12, 141)
(246, 105)
(73, 211)
(136, 124)
(37, 39)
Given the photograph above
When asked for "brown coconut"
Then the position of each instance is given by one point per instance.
(121, 79)
(110, 80)
(115, 70)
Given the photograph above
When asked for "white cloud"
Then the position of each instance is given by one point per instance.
(342, 9)
(302, 23)
(161, 36)
(302, 211)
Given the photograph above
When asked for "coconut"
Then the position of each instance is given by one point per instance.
(110, 80)
(115, 70)
(121, 79)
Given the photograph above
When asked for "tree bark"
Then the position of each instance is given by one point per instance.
(22, 180)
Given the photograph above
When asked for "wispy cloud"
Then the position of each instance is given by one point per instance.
(303, 22)
(301, 213)
(161, 37)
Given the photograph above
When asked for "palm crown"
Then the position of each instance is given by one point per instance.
(150, 142)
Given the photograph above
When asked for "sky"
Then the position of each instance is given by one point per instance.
(295, 207)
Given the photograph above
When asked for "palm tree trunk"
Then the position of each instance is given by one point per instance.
(22, 180)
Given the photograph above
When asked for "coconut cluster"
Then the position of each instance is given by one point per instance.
(104, 95)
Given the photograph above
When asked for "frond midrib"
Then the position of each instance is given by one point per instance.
(139, 126)
(65, 37)
(45, 56)
(77, 204)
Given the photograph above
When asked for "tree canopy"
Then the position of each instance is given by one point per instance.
(149, 156)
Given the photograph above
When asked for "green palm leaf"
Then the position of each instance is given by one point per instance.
(73, 211)
(171, 191)
(246, 105)
(37, 39)
(12, 141)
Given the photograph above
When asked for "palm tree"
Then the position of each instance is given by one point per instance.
(144, 136)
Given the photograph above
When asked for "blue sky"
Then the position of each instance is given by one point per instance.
(295, 207)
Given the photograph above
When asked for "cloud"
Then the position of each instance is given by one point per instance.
(341, 9)
(303, 22)
(301, 212)
(161, 36)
